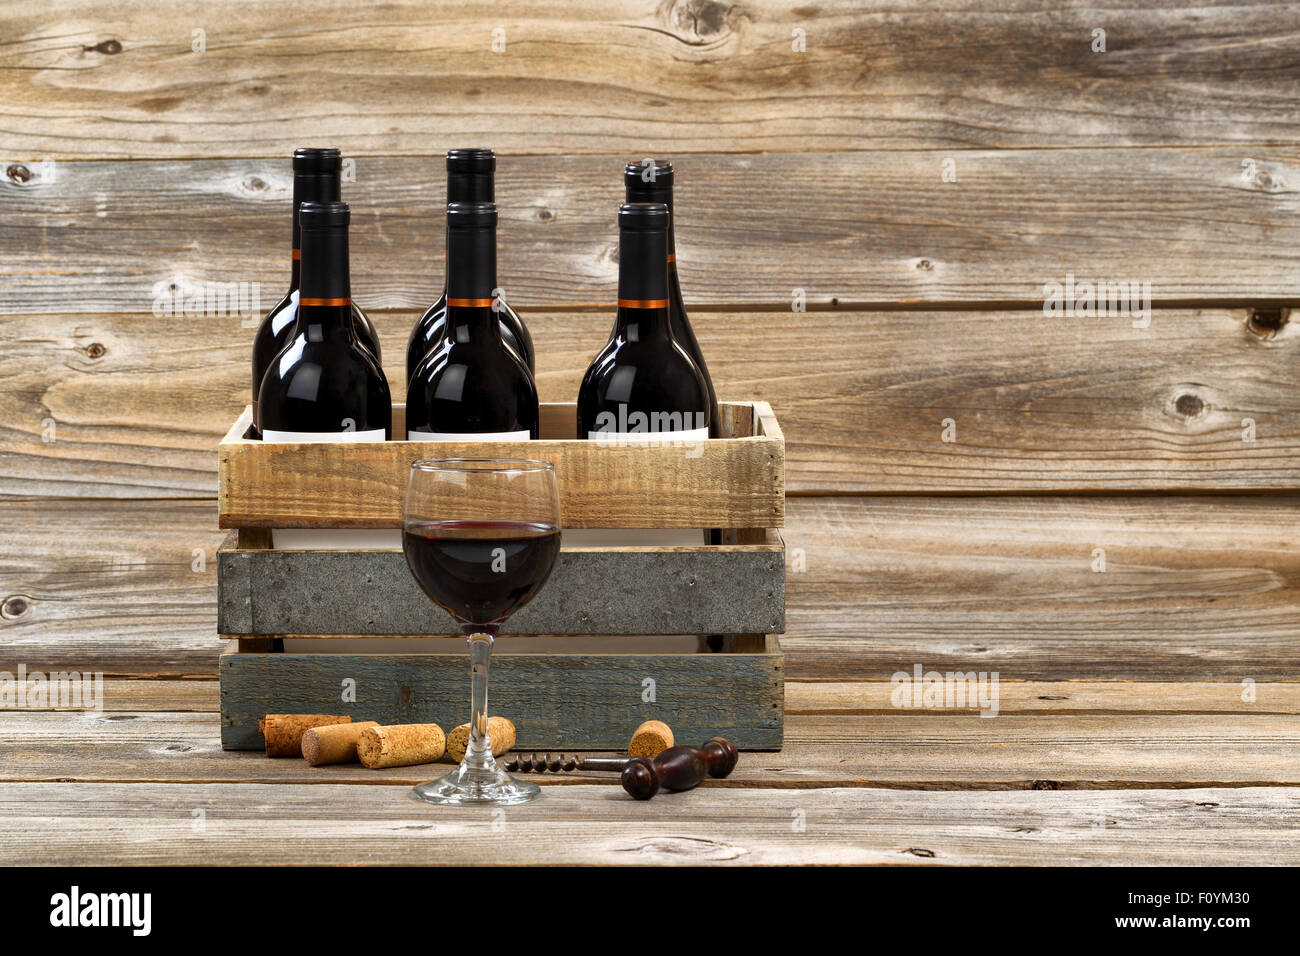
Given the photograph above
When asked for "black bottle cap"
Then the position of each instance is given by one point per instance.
(643, 216)
(471, 161)
(321, 215)
(471, 215)
(648, 181)
(316, 160)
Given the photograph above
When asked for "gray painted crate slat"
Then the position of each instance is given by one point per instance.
(557, 701)
(719, 590)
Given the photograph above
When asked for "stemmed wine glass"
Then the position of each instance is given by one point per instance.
(481, 537)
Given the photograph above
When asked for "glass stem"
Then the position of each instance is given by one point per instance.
(478, 755)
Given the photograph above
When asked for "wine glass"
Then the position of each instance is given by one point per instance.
(480, 537)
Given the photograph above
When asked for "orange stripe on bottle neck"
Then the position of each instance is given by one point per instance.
(672, 257)
(297, 254)
(643, 303)
(471, 303)
(344, 301)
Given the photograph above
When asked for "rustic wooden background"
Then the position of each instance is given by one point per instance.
(128, 159)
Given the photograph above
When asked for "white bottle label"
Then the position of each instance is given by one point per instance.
(370, 434)
(414, 434)
(686, 436)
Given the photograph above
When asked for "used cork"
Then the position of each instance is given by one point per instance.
(333, 743)
(283, 732)
(501, 733)
(650, 739)
(400, 745)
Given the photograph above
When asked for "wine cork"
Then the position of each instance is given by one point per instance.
(650, 739)
(333, 743)
(283, 732)
(400, 745)
(501, 733)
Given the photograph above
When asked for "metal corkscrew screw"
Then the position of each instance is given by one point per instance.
(677, 768)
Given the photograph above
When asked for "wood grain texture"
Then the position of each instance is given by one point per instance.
(137, 406)
(1008, 585)
(135, 824)
(1198, 588)
(904, 749)
(844, 229)
(731, 589)
(570, 701)
(122, 79)
(731, 482)
(832, 697)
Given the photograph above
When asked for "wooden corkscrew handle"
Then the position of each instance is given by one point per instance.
(678, 768)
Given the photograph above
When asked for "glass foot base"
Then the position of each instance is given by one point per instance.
(488, 787)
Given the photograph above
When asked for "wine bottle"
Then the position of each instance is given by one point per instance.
(650, 181)
(315, 179)
(325, 385)
(470, 179)
(472, 385)
(643, 382)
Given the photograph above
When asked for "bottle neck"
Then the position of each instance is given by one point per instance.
(642, 285)
(658, 192)
(471, 187)
(309, 187)
(325, 297)
(471, 282)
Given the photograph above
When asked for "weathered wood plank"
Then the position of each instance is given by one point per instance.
(736, 589)
(132, 824)
(1193, 588)
(1198, 588)
(905, 749)
(136, 406)
(588, 701)
(1065, 696)
(123, 79)
(733, 482)
(841, 229)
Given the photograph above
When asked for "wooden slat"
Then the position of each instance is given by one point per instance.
(1063, 697)
(120, 79)
(130, 824)
(846, 229)
(728, 483)
(139, 404)
(902, 749)
(1201, 588)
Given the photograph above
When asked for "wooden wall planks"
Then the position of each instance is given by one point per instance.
(1196, 588)
(122, 79)
(874, 228)
(139, 403)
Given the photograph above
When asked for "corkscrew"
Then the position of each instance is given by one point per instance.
(677, 768)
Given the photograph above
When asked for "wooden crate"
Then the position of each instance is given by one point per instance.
(733, 592)
(588, 700)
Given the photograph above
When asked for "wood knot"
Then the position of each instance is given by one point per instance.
(543, 214)
(109, 47)
(703, 21)
(18, 173)
(15, 606)
(1045, 785)
(95, 350)
(925, 265)
(920, 851)
(255, 184)
(1266, 323)
(1189, 405)
(677, 848)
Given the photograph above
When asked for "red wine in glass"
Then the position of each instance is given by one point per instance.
(480, 571)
